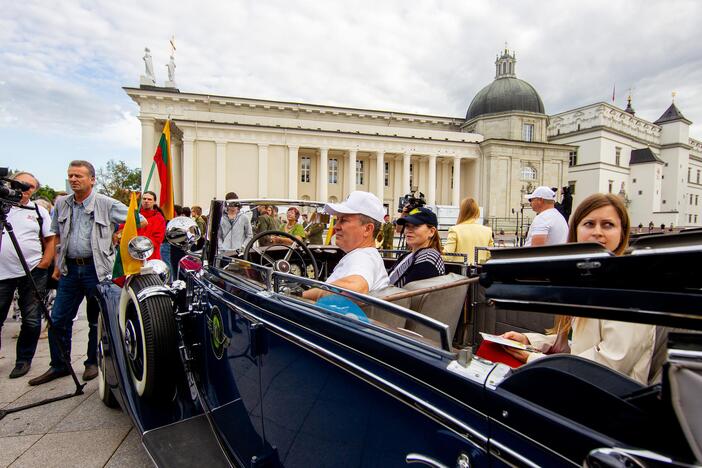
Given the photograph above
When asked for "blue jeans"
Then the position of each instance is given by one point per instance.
(78, 284)
(30, 309)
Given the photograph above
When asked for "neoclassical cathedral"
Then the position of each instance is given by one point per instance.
(504, 147)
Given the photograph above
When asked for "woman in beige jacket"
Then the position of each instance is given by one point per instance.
(624, 347)
(467, 234)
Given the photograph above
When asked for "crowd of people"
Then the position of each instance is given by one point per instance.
(73, 243)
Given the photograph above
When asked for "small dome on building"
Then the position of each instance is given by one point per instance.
(507, 93)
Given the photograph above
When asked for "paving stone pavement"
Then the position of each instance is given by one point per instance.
(79, 431)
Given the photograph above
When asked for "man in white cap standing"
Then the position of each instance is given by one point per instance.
(548, 227)
(358, 220)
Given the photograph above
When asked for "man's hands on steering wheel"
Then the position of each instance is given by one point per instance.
(284, 264)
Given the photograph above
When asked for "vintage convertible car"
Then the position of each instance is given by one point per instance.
(226, 365)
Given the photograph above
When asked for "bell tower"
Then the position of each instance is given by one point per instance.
(504, 64)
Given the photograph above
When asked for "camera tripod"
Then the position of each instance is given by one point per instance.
(5, 225)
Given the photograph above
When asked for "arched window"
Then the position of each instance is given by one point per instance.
(528, 173)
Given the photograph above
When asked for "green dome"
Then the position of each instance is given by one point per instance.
(505, 94)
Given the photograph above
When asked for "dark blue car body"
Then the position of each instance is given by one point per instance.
(267, 379)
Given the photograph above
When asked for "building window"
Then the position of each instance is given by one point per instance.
(359, 172)
(610, 183)
(697, 198)
(451, 176)
(387, 174)
(689, 174)
(571, 186)
(411, 176)
(333, 171)
(305, 164)
(528, 172)
(641, 193)
(528, 132)
(690, 199)
(617, 156)
(633, 181)
(698, 176)
(573, 158)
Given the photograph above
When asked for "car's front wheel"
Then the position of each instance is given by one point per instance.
(149, 333)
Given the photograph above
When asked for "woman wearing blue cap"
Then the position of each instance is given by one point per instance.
(424, 260)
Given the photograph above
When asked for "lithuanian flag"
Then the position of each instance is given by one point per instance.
(124, 263)
(163, 161)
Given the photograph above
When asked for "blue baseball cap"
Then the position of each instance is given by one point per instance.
(419, 216)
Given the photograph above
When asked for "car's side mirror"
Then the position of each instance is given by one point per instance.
(182, 232)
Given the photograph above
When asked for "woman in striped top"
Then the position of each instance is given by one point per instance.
(424, 260)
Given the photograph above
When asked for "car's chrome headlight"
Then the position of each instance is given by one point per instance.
(182, 232)
(140, 248)
(160, 268)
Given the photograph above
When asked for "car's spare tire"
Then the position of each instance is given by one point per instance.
(149, 334)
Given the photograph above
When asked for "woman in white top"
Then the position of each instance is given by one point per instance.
(621, 346)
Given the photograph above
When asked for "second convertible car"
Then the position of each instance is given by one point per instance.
(228, 365)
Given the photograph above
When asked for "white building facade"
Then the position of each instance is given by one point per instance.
(654, 166)
(274, 149)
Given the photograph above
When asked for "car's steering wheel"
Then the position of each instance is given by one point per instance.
(284, 264)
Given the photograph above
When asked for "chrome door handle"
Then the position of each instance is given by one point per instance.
(424, 460)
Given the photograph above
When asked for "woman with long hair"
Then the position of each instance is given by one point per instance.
(467, 234)
(424, 259)
(621, 346)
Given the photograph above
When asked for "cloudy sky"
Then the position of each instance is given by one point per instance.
(63, 64)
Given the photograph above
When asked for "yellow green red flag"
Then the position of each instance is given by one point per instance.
(124, 263)
(164, 164)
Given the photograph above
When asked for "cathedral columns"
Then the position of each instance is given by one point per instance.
(262, 171)
(322, 174)
(431, 190)
(456, 195)
(351, 171)
(292, 172)
(221, 169)
(406, 161)
(380, 175)
(147, 149)
(188, 171)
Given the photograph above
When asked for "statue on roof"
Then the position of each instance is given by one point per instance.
(148, 77)
(171, 73)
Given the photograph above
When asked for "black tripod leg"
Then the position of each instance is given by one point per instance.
(5, 225)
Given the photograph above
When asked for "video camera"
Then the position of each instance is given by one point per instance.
(10, 190)
(410, 202)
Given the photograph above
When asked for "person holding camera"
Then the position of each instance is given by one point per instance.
(235, 228)
(83, 223)
(31, 224)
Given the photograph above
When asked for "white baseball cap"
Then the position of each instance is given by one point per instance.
(541, 192)
(358, 202)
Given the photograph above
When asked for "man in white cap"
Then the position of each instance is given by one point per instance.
(548, 227)
(358, 220)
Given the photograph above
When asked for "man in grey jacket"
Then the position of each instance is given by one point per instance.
(83, 222)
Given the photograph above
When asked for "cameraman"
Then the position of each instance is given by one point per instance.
(32, 226)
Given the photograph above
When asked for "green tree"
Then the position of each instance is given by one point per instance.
(45, 192)
(117, 179)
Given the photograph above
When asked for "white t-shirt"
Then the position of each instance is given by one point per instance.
(551, 223)
(365, 262)
(26, 226)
